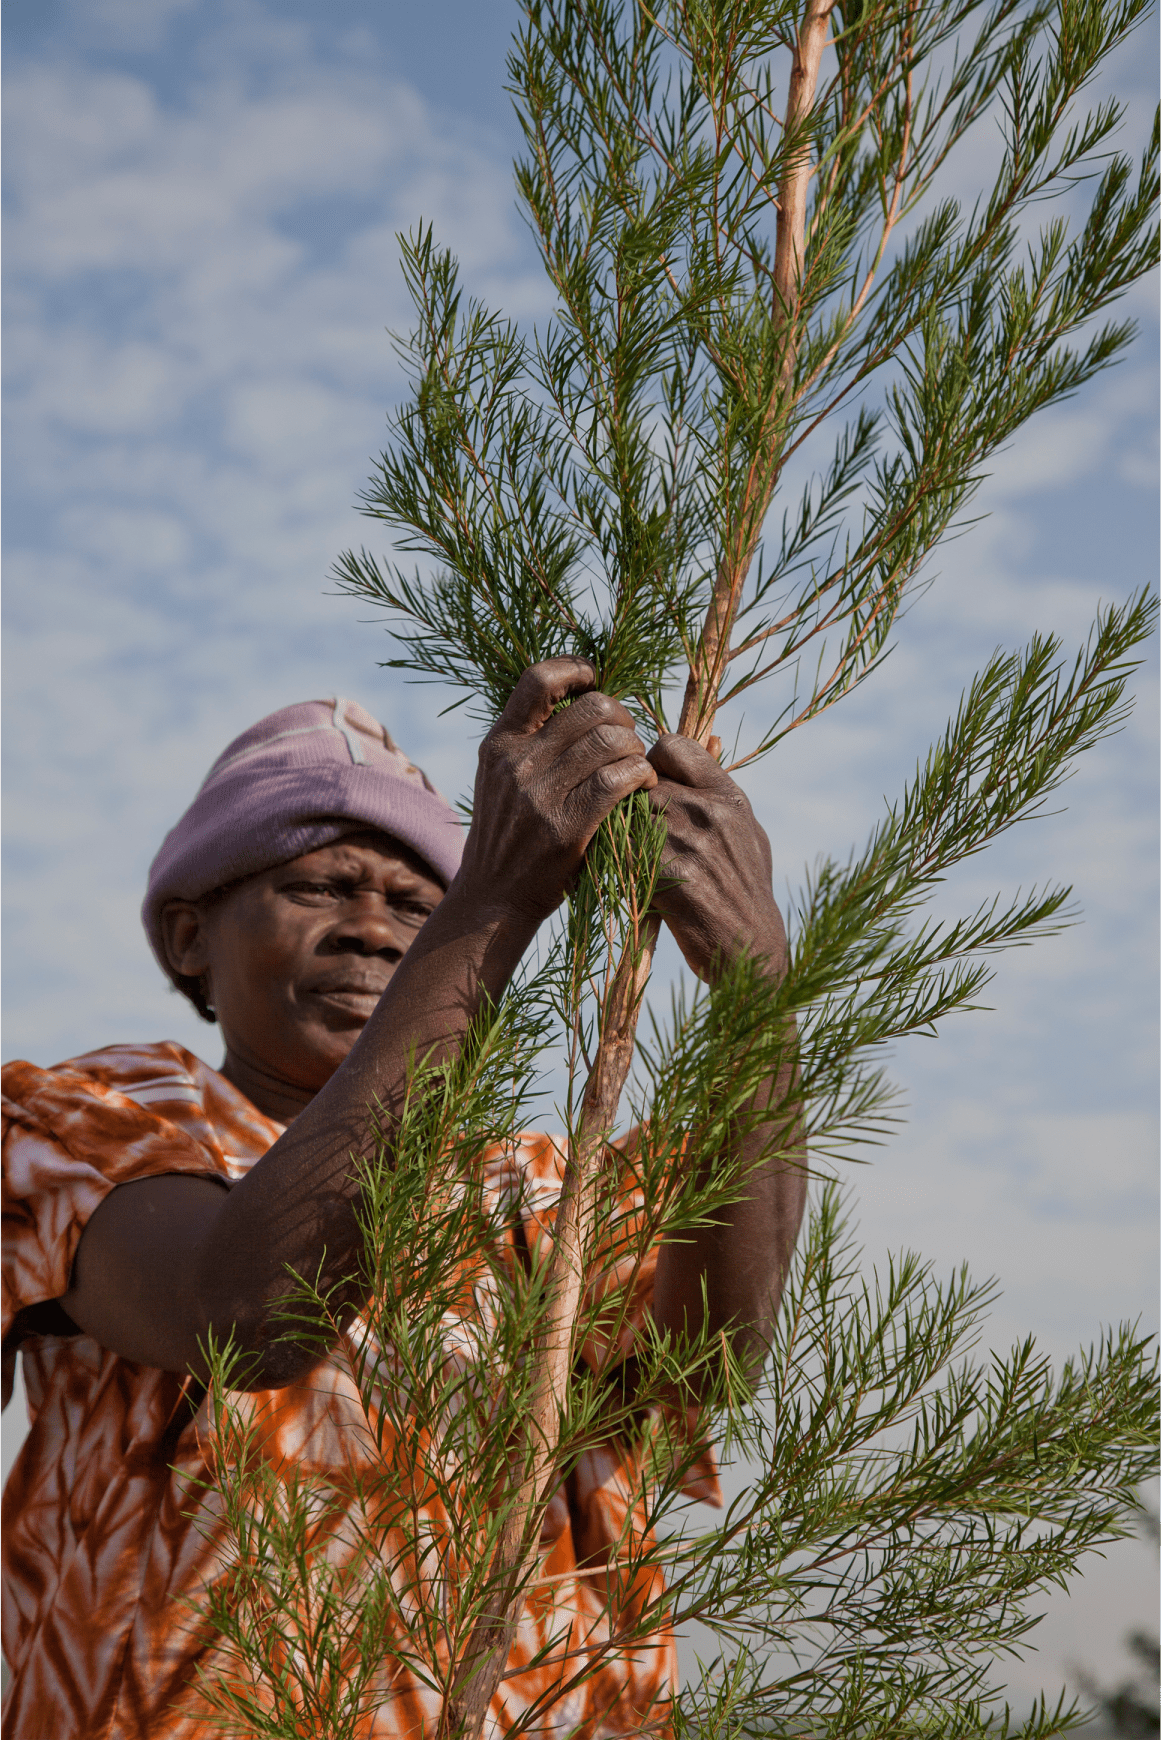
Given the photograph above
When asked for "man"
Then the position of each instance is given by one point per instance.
(315, 900)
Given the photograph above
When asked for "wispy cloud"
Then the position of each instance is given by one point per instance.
(199, 282)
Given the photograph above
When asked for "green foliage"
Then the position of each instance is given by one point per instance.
(580, 489)
(907, 1499)
(861, 974)
(750, 267)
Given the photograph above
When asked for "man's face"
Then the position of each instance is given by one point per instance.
(296, 958)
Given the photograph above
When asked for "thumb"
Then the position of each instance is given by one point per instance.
(540, 691)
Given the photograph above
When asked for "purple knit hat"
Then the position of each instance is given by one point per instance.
(297, 780)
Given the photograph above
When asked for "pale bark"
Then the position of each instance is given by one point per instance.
(712, 655)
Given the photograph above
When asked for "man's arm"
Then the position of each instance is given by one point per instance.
(162, 1260)
(719, 902)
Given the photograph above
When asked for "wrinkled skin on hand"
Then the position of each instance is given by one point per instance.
(716, 894)
(546, 781)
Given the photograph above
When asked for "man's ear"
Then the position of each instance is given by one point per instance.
(183, 932)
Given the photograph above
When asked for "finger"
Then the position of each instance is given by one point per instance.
(541, 688)
(603, 743)
(602, 791)
(593, 711)
(683, 760)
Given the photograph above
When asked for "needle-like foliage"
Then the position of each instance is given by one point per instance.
(741, 207)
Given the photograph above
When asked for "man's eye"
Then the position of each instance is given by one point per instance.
(320, 890)
(412, 911)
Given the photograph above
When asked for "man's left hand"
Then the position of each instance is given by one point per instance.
(716, 894)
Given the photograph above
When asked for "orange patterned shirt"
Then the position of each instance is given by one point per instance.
(107, 1544)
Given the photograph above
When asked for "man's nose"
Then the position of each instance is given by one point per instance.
(368, 926)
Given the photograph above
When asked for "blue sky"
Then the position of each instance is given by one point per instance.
(202, 202)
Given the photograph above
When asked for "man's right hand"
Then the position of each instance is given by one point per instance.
(546, 781)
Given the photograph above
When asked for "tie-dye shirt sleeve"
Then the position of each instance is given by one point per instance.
(70, 1137)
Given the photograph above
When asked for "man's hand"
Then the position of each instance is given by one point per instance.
(717, 897)
(546, 782)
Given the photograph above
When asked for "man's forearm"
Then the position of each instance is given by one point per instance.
(743, 1257)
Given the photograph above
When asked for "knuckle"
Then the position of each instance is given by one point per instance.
(604, 707)
(551, 672)
(587, 709)
(612, 738)
(609, 778)
(536, 679)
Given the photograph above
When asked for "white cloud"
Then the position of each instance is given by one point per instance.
(197, 389)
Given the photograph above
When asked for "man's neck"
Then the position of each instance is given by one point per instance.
(272, 1095)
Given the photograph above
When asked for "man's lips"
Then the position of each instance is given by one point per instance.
(350, 993)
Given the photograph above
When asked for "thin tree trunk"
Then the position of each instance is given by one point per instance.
(482, 1664)
(709, 662)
